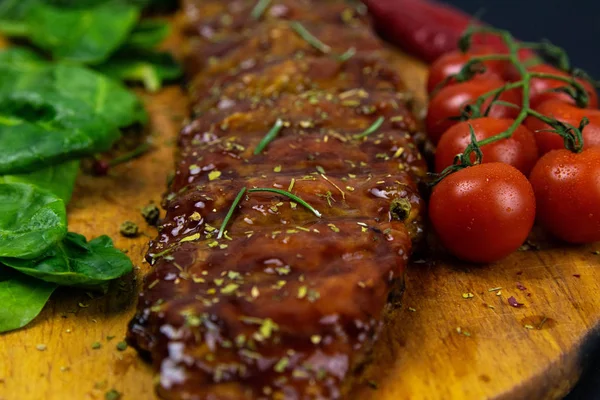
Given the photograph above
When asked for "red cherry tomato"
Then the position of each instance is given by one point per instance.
(483, 213)
(451, 63)
(539, 91)
(566, 113)
(520, 150)
(449, 101)
(567, 189)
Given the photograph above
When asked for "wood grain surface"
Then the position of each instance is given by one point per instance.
(438, 345)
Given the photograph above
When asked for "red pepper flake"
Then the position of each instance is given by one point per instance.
(519, 273)
(513, 302)
(520, 286)
(577, 275)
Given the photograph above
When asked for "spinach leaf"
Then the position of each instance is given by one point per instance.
(108, 98)
(19, 68)
(31, 220)
(22, 299)
(24, 71)
(38, 129)
(149, 68)
(15, 9)
(58, 179)
(12, 14)
(86, 35)
(148, 34)
(75, 262)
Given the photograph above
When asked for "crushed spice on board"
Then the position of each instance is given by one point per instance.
(513, 302)
(151, 214)
(129, 229)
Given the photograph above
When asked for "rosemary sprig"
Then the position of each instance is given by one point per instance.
(234, 205)
(269, 137)
(348, 54)
(259, 9)
(372, 129)
(239, 196)
(289, 195)
(318, 44)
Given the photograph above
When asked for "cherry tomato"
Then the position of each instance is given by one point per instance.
(451, 63)
(449, 101)
(566, 113)
(567, 189)
(520, 150)
(483, 213)
(539, 91)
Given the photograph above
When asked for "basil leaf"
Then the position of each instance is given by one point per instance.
(149, 68)
(22, 299)
(31, 220)
(87, 35)
(75, 262)
(38, 129)
(58, 179)
(23, 71)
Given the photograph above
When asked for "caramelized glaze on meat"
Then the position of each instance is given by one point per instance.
(289, 300)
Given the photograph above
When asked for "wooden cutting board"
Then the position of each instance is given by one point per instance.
(531, 352)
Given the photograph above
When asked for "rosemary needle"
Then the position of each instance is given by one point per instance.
(318, 44)
(237, 200)
(288, 195)
(310, 38)
(269, 137)
(259, 9)
(372, 129)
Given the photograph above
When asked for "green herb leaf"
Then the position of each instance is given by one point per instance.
(372, 129)
(148, 34)
(318, 44)
(234, 205)
(24, 71)
(85, 34)
(107, 97)
(58, 179)
(38, 129)
(22, 299)
(149, 68)
(31, 220)
(76, 262)
(289, 195)
(259, 9)
(269, 137)
(12, 13)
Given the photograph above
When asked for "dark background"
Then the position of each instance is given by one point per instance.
(571, 24)
(575, 26)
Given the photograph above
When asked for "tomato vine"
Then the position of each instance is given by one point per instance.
(571, 134)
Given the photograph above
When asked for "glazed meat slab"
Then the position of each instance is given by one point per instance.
(293, 209)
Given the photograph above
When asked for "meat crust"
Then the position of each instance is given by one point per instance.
(281, 295)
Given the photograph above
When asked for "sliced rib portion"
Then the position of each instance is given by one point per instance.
(292, 212)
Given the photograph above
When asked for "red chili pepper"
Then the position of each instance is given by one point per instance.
(426, 29)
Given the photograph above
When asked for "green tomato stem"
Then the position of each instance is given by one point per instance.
(571, 134)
